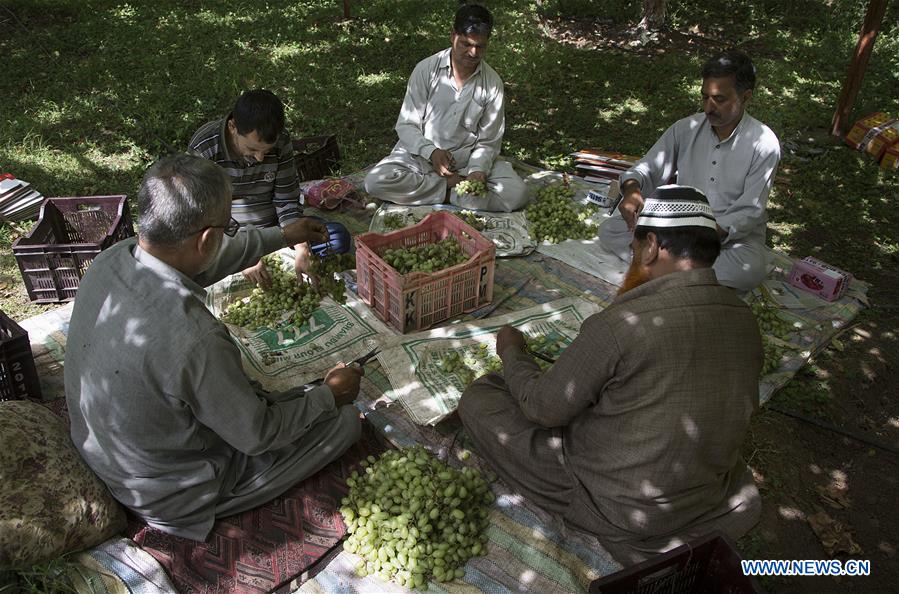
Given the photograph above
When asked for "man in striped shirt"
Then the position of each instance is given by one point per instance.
(253, 147)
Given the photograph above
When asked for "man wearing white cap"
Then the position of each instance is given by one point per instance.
(724, 152)
(634, 433)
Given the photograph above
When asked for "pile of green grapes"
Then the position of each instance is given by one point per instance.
(471, 188)
(266, 307)
(555, 217)
(771, 324)
(472, 363)
(394, 221)
(469, 216)
(429, 257)
(413, 518)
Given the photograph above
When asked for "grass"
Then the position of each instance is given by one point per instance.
(98, 89)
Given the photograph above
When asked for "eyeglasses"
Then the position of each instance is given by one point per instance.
(230, 229)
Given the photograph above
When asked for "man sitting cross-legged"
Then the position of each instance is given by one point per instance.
(451, 127)
(160, 407)
(634, 433)
(253, 147)
(725, 153)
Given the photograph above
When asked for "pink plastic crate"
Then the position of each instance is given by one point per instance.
(819, 278)
(419, 300)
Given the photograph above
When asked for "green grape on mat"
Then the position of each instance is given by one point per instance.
(411, 518)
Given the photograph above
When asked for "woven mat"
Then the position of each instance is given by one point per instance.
(264, 548)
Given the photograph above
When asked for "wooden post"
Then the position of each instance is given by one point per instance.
(858, 65)
(346, 9)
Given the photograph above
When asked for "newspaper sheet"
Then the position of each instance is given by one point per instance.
(291, 355)
(428, 394)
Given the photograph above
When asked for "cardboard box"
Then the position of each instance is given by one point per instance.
(890, 160)
(864, 130)
(884, 139)
(819, 278)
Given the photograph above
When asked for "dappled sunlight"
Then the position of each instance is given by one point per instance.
(790, 513)
(690, 428)
(132, 335)
(626, 110)
(650, 491)
(638, 518)
(376, 79)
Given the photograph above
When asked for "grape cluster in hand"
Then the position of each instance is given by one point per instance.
(429, 257)
(473, 363)
(266, 307)
(413, 518)
(555, 217)
(471, 188)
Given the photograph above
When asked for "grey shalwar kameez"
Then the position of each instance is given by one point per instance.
(634, 433)
(160, 406)
(735, 174)
(469, 122)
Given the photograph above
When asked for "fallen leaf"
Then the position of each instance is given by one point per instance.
(837, 344)
(834, 537)
(835, 495)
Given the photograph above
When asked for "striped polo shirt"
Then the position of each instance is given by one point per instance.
(265, 193)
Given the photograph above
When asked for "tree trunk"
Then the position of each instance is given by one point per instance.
(653, 15)
(346, 9)
(858, 65)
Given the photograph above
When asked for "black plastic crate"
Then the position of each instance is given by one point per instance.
(18, 377)
(708, 565)
(70, 232)
(316, 157)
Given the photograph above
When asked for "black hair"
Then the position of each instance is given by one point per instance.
(473, 19)
(259, 110)
(731, 63)
(698, 244)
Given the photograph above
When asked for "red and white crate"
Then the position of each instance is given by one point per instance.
(418, 300)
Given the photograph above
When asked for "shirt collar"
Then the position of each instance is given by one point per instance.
(223, 138)
(744, 121)
(697, 276)
(174, 278)
(445, 63)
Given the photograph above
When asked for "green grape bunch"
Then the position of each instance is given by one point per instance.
(393, 221)
(471, 188)
(772, 326)
(429, 257)
(550, 346)
(469, 216)
(412, 518)
(469, 364)
(472, 363)
(555, 217)
(267, 307)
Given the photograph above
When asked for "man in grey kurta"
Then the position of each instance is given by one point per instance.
(634, 433)
(160, 407)
(724, 152)
(451, 127)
